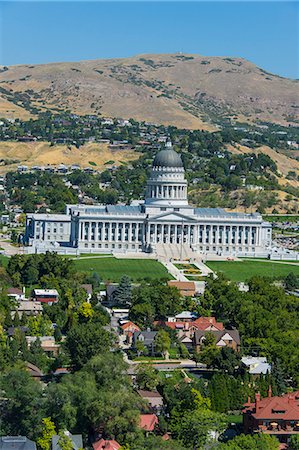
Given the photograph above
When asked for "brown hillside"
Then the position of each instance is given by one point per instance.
(183, 90)
(41, 153)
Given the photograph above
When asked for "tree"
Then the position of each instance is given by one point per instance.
(294, 442)
(147, 377)
(48, 430)
(85, 341)
(194, 428)
(122, 295)
(248, 442)
(64, 441)
(226, 360)
(291, 282)
(24, 405)
(162, 343)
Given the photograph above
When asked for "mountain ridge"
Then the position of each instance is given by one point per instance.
(184, 90)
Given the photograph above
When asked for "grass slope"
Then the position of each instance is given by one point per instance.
(244, 270)
(113, 269)
(3, 260)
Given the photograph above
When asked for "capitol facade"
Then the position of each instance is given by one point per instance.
(163, 223)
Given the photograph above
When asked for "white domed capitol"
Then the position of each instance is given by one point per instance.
(163, 223)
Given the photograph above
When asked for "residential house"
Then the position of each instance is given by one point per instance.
(88, 289)
(34, 371)
(128, 328)
(48, 344)
(148, 422)
(256, 365)
(16, 443)
(29, 307)
(49, 296)
(186, 288)
(186, 324)
(16, 293)
(277, 416)
(224, 338)
(76, 440)
(106, 444)
(154, 399)
(147, 338)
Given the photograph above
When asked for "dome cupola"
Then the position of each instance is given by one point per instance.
(168, 158)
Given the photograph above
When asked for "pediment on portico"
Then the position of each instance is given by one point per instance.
(172, 217)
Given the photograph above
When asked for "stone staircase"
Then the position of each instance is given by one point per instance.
(167, 252)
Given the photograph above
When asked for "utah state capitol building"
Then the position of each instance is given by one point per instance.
(163, 223)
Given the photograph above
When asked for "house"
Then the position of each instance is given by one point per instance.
(224, 338)
(256, 365)
(154, 399)
(278, 416)
(106, 444)
(184, 316)
(16, 443)
(187, 328)
(88, 289)
(76, 440)
(128, 328)
(16, 293)
(34, 371)
(147, 338)
(48, 344)
(186, 288)
(29, 307)
(148, 422)
(49, 296)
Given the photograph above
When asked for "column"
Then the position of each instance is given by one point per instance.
(89, 231)
(230, 236)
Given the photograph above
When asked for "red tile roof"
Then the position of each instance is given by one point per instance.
(202, 324)
(148, 422)
(285, 407)
(106, 444)
(132, 325)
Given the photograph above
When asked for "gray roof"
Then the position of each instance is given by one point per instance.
(168, 158)
(218, 335)
(149, 336)
(75, 438)
(16, 443)
(220, 212)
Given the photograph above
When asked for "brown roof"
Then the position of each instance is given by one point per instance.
(87, 287)
(148, 421)
(15, 291)
(218, 335)
(149, 394)
(285, 407)
(182, 285)
(106, 444)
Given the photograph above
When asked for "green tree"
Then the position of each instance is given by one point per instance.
(122, 295)
(147, 377)
(48, 430)
(64, 441)
(294, 442)
(85, 341)
(162, 343)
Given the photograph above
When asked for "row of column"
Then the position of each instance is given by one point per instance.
(111, 231)
(204, 234)
(159, 191)
(170, 233)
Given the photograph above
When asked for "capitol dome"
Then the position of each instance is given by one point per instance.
(168, 158)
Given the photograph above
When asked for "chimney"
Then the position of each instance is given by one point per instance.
(248, 399)
(292, 400)
(257, 401)
(270, 391)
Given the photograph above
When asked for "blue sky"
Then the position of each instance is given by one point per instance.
(266, 33)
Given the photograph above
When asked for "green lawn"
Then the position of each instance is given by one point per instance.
(112, 269)
(243, 270)
(3, 260)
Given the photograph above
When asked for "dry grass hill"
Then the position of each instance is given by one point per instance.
(188, 91)
(41, 153)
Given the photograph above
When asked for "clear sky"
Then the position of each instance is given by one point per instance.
(266, 33)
